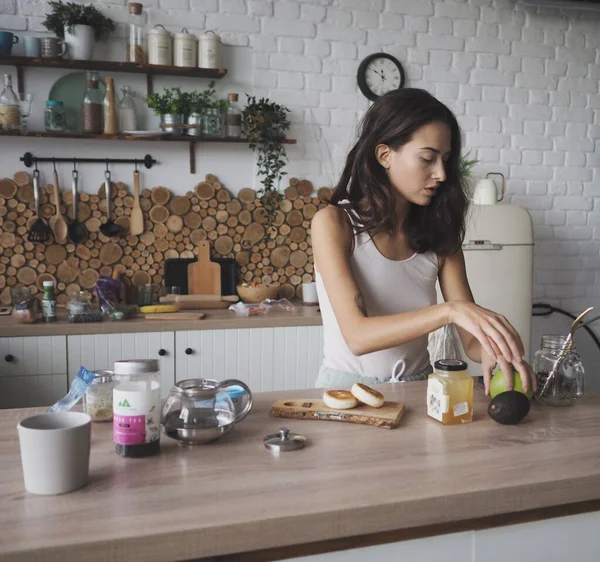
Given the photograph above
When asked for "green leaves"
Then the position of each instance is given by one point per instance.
(66, 15)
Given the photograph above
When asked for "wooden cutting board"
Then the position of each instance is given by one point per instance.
(388, 416)
(198, 298)
(204, 276)
(200, 304)
(176, 316)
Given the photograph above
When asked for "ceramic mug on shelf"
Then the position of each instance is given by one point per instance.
(33, 46)
(309, 293)
(486, 192)
(53, 48)
(7, 40)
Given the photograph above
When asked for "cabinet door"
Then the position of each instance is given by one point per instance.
(264, 358)
(100, 351)
(33, 371)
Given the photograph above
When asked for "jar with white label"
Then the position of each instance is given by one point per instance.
(450, 392)
(209, 50)
(136, 407)
(160, 46)
(185, 49)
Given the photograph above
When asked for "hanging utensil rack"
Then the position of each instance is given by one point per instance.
(29, 160)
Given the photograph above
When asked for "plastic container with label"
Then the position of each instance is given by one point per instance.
(136, 407)
(450, 392)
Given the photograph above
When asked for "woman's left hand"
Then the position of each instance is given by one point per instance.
(528, 379)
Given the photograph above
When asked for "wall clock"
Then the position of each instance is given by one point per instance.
(378, 74)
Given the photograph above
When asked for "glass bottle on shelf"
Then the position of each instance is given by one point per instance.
(10, 108)
(127, 113)
(136, 47)
(92, 107)
(233, 119)
(213, 122)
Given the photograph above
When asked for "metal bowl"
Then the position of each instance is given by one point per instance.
(200, 432)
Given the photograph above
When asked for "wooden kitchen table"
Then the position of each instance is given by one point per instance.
(352, 486)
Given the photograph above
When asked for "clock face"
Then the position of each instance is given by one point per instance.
(378, 74)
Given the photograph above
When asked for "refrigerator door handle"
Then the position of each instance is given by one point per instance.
(481, 245)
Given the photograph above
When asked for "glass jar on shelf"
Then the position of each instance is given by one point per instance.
(136, 40)
(233, 119)
(213, 123)
(560, 374)
(55, 117)
(10, 108)
(92, 108)
(126, 111)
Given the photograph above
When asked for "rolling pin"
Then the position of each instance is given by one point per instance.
(198, 298)
(176, 316)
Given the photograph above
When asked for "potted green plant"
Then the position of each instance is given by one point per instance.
(466, 166)
(200, 101)
(171, 106)
(80, 26)
(265, 125)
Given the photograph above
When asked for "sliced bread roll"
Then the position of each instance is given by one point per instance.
(367, 395)
(339, 399)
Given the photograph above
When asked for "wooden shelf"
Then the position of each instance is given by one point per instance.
(149, 70)
(192, 141)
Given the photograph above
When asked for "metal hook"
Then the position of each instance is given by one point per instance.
(107, 165)
(136, 163)
(74, 164)
(54, 163)
(35, 164)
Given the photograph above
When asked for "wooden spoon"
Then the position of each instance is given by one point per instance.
(136, 220)
(59, 226)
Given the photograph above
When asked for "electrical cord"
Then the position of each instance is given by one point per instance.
(544, 309)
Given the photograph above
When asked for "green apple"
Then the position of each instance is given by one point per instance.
(498, 384)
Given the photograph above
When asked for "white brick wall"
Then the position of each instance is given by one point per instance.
(523, 82)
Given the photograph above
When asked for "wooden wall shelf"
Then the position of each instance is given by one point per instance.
(149, 70)
(192, 141)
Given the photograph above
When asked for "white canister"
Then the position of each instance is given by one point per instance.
(160, 46)
(184, 49)
(209, 50)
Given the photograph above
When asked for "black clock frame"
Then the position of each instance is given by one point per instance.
(362, 71)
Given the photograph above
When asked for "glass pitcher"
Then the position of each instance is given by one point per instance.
(199, 411)
(567, 385)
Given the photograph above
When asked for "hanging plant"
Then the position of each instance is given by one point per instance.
(65, 16)
(265, 126)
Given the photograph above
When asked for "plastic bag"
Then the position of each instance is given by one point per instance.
(281, 303)
(444, 344)
(79, 386)
(254, 309)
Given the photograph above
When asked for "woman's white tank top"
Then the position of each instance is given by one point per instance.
(388, 287)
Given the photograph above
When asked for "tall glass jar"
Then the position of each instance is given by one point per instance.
(567, 384)
(92, 107)
(136, 40)
(136, 407)
(98, 398)
(127, 112)
(233, 119)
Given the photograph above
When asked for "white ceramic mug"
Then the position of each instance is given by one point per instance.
(309, 293)
(55, 452)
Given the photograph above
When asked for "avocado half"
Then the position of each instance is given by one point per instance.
(509, 408)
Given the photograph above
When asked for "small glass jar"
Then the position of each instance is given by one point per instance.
(98, 399)
(136, 407)
(450, 392)
(567, 384)
(213, 122)
(55, 117)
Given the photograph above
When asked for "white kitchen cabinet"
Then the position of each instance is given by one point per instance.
(33, 371)
(264, 358)
(100, 351)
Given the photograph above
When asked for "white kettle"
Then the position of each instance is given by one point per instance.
(486, 192)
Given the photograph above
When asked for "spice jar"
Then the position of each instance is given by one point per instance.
(160, 46)
(98, 399)
(136, 407)
(209, 50)
(567, 383)
(185, 49)
(55, 117)
(93, 104)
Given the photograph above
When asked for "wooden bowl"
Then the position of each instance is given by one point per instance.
(257, 293)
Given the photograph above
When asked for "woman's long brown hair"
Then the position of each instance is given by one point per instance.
(364, 188)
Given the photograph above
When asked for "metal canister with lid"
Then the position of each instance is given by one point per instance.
(136, 407)
(209, 50)
(98, 399)
(160, 46)
(185, 49)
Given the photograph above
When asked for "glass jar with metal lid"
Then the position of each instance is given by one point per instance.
(55, 117)
(97, 401)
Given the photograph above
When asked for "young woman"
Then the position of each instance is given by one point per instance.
(395, 226)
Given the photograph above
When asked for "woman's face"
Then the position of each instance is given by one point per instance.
(416, 169)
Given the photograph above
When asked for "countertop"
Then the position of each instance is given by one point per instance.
(235, 496)
(218, 319)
